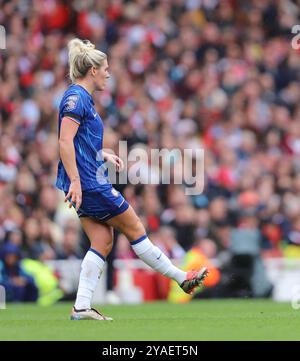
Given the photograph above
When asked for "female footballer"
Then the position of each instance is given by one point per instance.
(99, 206)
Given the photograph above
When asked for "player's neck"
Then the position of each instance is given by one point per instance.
(88, 87)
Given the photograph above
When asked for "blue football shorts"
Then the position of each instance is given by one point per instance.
(101, 204)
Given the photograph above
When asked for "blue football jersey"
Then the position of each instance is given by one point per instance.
(78, 106)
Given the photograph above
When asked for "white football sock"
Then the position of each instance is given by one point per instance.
(156, 259)
(91, 270)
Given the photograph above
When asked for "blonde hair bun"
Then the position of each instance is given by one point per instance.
(82, 56)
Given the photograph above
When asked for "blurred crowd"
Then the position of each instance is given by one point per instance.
(199, 74)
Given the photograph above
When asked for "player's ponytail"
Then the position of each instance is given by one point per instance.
(82, 56)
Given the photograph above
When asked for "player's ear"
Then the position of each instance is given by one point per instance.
(93, 71)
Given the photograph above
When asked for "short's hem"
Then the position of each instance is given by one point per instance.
(122, 209)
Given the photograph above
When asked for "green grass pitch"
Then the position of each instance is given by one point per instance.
(196, 321)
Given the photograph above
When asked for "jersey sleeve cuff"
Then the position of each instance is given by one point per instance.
(73, 117)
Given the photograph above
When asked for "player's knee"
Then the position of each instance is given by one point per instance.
(104, 247)
(108, 248)
(109, 244)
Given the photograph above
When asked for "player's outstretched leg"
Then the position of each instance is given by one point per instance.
(156, 259)
(129, 224)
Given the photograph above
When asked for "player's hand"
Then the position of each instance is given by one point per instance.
(115, 160)
(74, 195)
